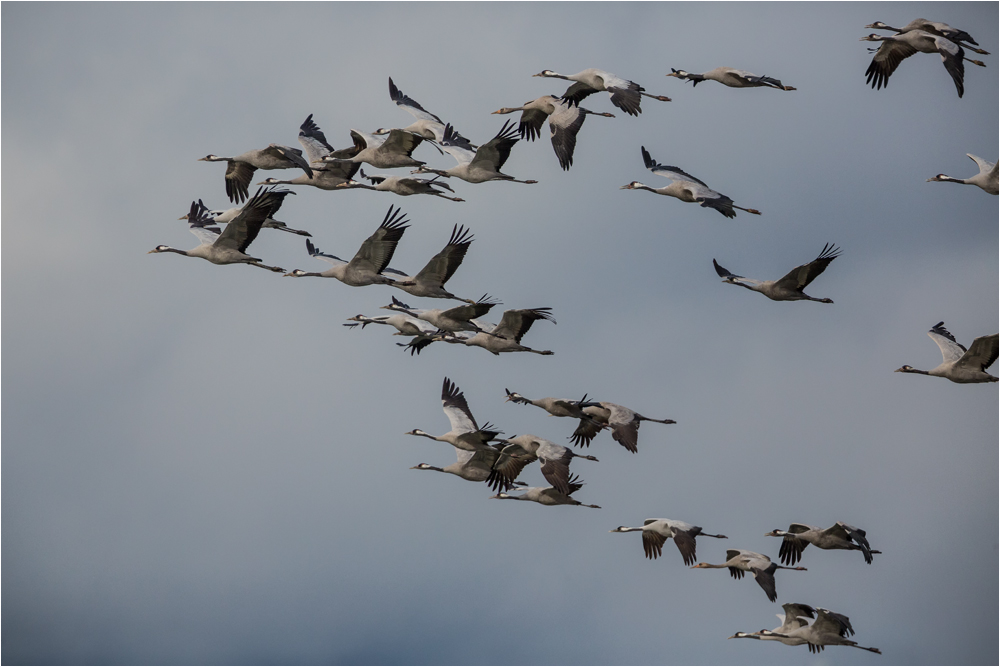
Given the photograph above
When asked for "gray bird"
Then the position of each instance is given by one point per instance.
(229, 246)
(838, 536)
(655, 532)
(687, 188)
(958, 364)
(727, 76)
(371, 260)
(240, 169)
(789, 287)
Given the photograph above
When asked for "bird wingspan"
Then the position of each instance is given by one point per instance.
(515, 323)
(888, 57)
(951, 349)
(530, 127)
(243, 229)
(314, 141)
(585, 432)
(685, 544)
(626, 98)
(496, 151)
(410, 105)
(652, 544)
(401, 141)
(953, 63)
(564, 125)
(293, 155)
(377, 250)
(673, 173)
(444, 264)
(799, 277)
(983, 165)
(238, 177)
(982, 353)
(456, 408)
(577, 92)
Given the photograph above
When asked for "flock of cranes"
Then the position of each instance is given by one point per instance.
(482, 455)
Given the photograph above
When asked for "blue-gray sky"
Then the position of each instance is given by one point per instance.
(202, 465)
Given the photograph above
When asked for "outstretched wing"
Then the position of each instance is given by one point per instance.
(410, 105)
(470, 311)
(293, 155)
(981, 354)
(791, 548)
(314, 141)
(564, 124)
(496, 151)
(800, 276)
(444, 264)
(686, 545)
(377, 250)
(951, 349)
(983, 165)
(238, 178)
(515, 323)
(857, 536)
(888, 57)
(673, 173)
(626, 97)
(243, 229)
(652, 543)
(456, 408)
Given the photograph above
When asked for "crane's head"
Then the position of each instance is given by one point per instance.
(901, 369)
(297, 273)
(210, 158)
(416, 431)
(396, 305)
(775, 533)
(514, 396)
(747, 635)
(878, 25)
(159, 248)
(679, 73)
(500, 496)
(634, 185)
(547, 72)
(620, 529)
(873, 38)
(423, 466)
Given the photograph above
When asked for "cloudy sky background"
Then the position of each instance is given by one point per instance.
(200, 464)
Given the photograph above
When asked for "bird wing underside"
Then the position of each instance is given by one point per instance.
(456, 408)
(951, 349)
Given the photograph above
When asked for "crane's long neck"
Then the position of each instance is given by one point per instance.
(169, 249)
(658, 421)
